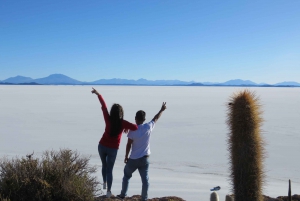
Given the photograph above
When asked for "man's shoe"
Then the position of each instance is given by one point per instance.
(108, 194)
(104, 185)
(121, 197)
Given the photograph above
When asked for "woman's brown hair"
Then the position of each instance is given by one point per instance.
(116, 117)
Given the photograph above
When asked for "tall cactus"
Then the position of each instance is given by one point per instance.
(214, 196)
(245, 146)
(290, 192)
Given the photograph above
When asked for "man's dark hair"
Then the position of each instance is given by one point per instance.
(140, 115)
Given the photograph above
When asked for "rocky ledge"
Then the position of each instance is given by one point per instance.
(138, 198)
(282, 198)
(174, 198)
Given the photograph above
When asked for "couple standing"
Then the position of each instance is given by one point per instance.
(138, 143)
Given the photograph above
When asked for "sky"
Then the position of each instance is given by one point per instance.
(192, 40)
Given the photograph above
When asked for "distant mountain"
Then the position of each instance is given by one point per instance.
(112, 81)
(210, 83)
(161, 82)
(196, 84)
(18, 79)
(60, 79)
(173, 82)
(57, 79)
(288, 84)
(116, 81)
(30, 83)
(238, 82)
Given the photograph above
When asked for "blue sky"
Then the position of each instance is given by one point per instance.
(152, 39)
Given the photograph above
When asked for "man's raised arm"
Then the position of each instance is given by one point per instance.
(163, 107)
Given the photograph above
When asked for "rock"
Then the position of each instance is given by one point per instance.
(138, 198)
(282, 198)
(294, 198)
(174, 198)
(267, 198)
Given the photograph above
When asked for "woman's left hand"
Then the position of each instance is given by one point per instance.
(94, 91)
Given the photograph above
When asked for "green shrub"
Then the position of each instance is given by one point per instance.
(59, 175)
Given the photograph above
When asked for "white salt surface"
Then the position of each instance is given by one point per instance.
(188, 145)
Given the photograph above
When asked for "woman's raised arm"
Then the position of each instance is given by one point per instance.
(103, 104)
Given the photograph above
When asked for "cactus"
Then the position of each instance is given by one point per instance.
(214, 196)
(229, 198)
(290, 192)
(245, 146)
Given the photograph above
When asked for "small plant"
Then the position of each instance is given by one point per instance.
(246, 146)
(59, 175)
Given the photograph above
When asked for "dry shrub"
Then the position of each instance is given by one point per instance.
(59, 175)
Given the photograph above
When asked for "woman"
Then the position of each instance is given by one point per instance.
(110, 141)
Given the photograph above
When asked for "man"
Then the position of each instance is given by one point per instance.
(139, 144)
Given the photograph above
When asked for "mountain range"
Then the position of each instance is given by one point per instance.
(60, 79)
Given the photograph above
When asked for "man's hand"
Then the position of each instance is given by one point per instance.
(163, 107)
(128, 147)
(94, 91)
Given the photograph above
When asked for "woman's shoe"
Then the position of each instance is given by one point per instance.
(108, 194)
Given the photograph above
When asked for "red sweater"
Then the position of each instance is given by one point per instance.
(107, 140)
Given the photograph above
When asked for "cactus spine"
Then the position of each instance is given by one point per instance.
(214, 196)
(245, 146)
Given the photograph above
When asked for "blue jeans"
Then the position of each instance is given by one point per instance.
(142, 164)
(108, 158)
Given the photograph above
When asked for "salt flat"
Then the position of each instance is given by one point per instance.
(188, 145)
